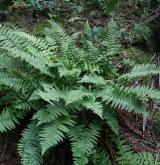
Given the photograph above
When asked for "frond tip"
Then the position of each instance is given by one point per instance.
(8, 119)
(142, 71)
(83, 141)
(53, 133)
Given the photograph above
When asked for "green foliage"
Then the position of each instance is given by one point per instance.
(142, 71)
(110, 5)
(70, 92)
(29, 146)
(83, 141)
(50, 113)
(137, 56)
(40, 5)
(118, 97)
(53, 133)
(126, 156)
(106, 6)
(100, 158)
(9, 118)
(110, 118)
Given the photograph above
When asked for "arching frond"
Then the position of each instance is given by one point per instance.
(144, 91)
(8, 119)
(50, 113)
(101, 158)
(111, 119)
(29, 147)
(52, 134)
(142, 71)
(94, 106)
(83, 141)
(118, 98)
(93, 79)
(126, 156)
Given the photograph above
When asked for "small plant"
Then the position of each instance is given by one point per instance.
(107, 6)
(110, 5)
(71, 92)
(40, 5)
(125, 156)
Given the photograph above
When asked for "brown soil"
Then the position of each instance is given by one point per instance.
(24, 19)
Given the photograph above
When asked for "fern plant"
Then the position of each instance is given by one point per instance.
(71, 92)
(126, 156)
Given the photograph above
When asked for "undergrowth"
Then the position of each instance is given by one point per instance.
(70, 92)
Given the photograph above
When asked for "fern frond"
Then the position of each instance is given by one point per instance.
(77, 95)
(64, 72)
(93, 52)
(111, 39)
(8, 119)
(111, 119)
(92, 68)
(116, 97)
(83, 141)
(29, 147)
(49, 94)
(52, 134)
(126, 156)
(142, 71)
(51, 113)
(17, 46)
(93, 79)
(12, 81)
(23, 106)
(30, 59)
(56, 32)
(100, 158)
(145, 158)
(23, 40)
(110, 5)
(8, 62)
(68, 48)
(144, 91)
(94, 106)
(38, 43)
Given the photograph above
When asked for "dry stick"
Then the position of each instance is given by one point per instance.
(152, 58)
(145, 117)
(153, 17)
